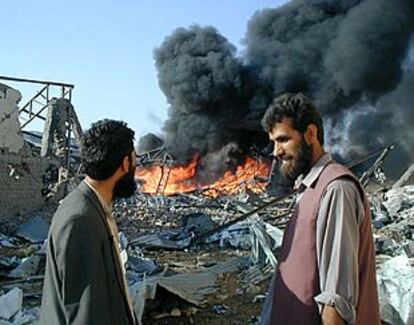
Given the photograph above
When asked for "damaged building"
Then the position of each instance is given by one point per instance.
(34, 163)
(20, 170)
(196, 254)
(203, 257)
(200, 239)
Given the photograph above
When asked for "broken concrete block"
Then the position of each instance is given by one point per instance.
(142, 264)
(7, 263)
(398, 199)
(395, 280)
(6, 242)
(388, 246)
(237, 236)
(408, 247)
(34, 230)
(377, 224)
(381, 215)
(10, 134)
(11, 303)
(27, 316)
(197, 223)
(29, 267)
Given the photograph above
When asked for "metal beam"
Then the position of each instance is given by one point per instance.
(37, 115)
(40, 93)
(44, 82)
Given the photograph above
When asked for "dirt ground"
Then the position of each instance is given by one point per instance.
(230, 304)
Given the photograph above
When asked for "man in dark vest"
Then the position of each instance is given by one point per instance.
(326, 270)
(85, 280)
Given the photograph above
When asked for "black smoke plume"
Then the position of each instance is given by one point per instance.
(352, 57)
(149, 142)
(203, 81)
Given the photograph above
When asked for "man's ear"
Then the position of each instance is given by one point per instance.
(311, 134)
(125, 164)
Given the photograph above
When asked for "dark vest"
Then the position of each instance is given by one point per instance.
(296, 282)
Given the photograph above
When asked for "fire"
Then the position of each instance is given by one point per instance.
(181, 179)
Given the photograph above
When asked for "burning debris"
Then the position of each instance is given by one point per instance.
(354, 59)
(251, 174)
(201, 238)
(195, 258)
(200, 247)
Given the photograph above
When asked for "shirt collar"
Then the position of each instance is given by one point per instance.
(105, 206)
(314, 172)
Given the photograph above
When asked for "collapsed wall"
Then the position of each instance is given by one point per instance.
(24, 177)
(10, 135)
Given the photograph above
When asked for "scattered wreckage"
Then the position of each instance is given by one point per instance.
(204, 255)
(193, 258)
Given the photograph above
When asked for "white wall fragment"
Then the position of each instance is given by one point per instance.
(11, 303)
(10, 135)
(396, 290)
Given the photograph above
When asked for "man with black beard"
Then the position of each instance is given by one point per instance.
(85, 279)
(326, 270)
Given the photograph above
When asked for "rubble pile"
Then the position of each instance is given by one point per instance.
(22, 260)
(189, 261)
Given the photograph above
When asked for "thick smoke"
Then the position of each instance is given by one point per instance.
(148, 142)
(203, 82)
(389, 121)
(348, 56)
(337, 52)
(215, 164)
(352, 57)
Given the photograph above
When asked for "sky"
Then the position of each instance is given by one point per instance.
(105, 48)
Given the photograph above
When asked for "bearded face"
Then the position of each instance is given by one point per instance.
(291, 150)
(296, 163)
(126, 186)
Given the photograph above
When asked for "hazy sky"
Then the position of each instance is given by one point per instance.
(105, 48)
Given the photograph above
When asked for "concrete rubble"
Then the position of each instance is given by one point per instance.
(35, 230)
(190, 258)
(11, 303)
(172, 275)
(38, 164)
(396, 290)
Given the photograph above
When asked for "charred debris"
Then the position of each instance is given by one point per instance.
(203, 256)
(201, 238)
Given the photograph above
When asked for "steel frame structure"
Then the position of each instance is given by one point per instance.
(35, 108)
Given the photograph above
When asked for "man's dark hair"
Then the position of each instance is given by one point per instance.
(296, 107)
(104, 146)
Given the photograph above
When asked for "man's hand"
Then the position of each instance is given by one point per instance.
(331, 317)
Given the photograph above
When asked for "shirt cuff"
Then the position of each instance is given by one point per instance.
(344, 308)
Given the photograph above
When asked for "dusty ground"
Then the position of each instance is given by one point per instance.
(233, 303)
(229, 305)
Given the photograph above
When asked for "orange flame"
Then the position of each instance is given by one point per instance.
(181, 179)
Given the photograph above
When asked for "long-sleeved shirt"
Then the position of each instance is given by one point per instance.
(337, 239)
